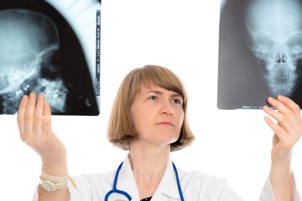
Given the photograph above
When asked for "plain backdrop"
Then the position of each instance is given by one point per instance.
(182, 36)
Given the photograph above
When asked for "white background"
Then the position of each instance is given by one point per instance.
(180, 35)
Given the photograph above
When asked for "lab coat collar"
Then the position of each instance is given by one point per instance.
(126, 182)
(167, 186)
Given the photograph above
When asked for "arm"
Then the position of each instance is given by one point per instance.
(34, 123)
(287, 129)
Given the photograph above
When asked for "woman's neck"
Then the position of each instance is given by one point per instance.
(148, 164)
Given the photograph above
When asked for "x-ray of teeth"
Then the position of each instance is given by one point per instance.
(40, 52)
(260, 52)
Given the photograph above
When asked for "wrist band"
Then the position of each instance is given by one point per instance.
(51, 178)
(54, 178)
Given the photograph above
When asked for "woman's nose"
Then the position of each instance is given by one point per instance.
(166, 109)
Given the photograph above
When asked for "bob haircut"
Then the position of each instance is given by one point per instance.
(120, 128)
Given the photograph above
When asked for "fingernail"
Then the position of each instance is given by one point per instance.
(24, 97)
(41, 96)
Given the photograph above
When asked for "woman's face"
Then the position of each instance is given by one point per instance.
(157, 115)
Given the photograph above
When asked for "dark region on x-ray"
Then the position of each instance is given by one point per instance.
(260, 52)
(41, 53)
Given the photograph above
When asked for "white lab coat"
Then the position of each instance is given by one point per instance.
(196, 186)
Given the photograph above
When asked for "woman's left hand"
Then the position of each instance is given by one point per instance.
(287, 127)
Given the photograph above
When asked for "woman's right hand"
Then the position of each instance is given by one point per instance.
(34, 123)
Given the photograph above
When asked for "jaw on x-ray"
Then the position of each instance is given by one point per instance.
(29, 41)
(260, 52)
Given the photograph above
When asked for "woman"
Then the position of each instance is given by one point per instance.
(149, 120)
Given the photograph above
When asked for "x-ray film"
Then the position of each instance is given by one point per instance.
(51, 47)
(260, 52)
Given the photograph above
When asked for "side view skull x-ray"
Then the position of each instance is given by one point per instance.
(260, 52)
(28, 43)
(44, 50)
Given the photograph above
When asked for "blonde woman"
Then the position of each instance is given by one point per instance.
(149, 121)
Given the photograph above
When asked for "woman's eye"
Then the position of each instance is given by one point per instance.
(177, 101)
(152, 98)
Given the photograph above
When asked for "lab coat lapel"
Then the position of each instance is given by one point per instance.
(167, 186)
(126, 182)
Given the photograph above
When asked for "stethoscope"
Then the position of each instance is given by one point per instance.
(115, 190)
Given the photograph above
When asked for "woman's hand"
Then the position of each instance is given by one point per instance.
(34, 122)
(287, 127)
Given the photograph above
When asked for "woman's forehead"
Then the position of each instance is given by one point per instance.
(150, 84)
(155, 88)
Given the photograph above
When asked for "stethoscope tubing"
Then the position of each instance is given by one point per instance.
(178, 183)
(115, 190)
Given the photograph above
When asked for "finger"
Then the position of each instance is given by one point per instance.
(21, 114)
(274, 114)
(275, 139)
(278, 130)
(38, 116)
(285, 106)
(296, 120)
(289, 124)
(29, 114)
(285, 114)
(277, 104)
(290, 104)
(47, 119)
(277, 126)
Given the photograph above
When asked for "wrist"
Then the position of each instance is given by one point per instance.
(282, 157)
(57, 170)
(52, 183)
(281, 167)
(281, 163)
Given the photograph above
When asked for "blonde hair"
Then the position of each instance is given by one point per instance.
(120, 128)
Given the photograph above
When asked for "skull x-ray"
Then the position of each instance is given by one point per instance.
(29, 41)
(41, 52)
(260, 52)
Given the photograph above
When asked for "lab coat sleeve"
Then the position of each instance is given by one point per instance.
(35, 198)
(267, 192)
(80, 189)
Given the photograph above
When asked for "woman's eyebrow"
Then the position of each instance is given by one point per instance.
(175, 94)
(155, 91)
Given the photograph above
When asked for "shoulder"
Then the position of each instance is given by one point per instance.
(94, 177)
(90, 186)
(197, 175)
(91, 180)
(206, 186)
(203, 180)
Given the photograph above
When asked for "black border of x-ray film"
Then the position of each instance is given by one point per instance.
(240, 85)
(81, 79)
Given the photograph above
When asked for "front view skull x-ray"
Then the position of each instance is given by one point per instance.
(260, 52)
(275, 29)
(29, 42)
